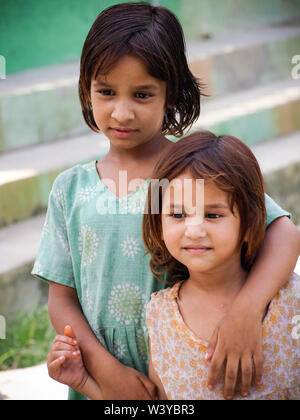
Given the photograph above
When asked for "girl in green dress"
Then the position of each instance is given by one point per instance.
(135, 86)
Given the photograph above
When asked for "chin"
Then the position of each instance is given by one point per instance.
(199, 266)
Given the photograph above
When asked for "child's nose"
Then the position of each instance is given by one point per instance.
(122, 112)
(195, 228)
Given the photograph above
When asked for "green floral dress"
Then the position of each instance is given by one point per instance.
(92, 241)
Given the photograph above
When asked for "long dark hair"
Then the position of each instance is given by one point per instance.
(154, 35)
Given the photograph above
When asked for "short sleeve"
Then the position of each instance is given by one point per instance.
(53, 261)
(274, 210)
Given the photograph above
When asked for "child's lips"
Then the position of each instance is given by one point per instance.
(197, 249)
(122, 133)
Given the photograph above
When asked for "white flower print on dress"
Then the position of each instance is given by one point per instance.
(87, 302)
(88, 244)
(87, 193)
(88, 307)
(91, 166)
(119, 350)
(127, 303)
(130, 247)
(60, 198)
(62, 235)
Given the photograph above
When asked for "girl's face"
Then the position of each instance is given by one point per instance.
(128, 104)
(203, 238)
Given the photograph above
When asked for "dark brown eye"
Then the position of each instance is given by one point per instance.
(106, 92)
(213, 216)
(178, 215)
(142, 95)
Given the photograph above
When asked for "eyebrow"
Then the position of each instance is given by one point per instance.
(210, 206)
(140, 87)
(217, 206)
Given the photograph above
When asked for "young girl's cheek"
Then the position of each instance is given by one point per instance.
(173, 233)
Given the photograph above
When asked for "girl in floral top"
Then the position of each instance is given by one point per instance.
(207, 248)
(135, 86)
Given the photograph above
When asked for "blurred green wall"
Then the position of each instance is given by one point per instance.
(37, 33)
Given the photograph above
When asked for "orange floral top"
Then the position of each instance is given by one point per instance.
(178, 355)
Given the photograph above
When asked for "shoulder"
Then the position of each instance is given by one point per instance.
(71, 177)
(291, 290)
(163, 296)
(288, 297)
(160, 301)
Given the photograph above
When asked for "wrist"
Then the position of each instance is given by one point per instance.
(82, 385)
(90, 389)
(245, 308)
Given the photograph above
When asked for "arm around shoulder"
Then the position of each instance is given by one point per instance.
(274, 264)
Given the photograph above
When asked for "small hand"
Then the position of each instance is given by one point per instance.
(64, 361)
(237, 341)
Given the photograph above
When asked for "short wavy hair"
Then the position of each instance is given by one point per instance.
(232, 166)
(154, 35)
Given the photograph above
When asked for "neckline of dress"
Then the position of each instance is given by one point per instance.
(269, 319)
(124, 197)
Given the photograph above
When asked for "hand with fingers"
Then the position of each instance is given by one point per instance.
(64, 361)
(237, 343)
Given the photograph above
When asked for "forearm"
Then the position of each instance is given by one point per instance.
(97, 359)
(274, 265)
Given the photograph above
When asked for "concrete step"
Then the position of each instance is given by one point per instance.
(46, 102)
(18, 245)
(236, 60)
(254, 115)
(210, 17)
(26, 175)
(39, 106)
(280, 163)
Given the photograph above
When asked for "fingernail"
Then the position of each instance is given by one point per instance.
(229, 397)
(207, 355)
